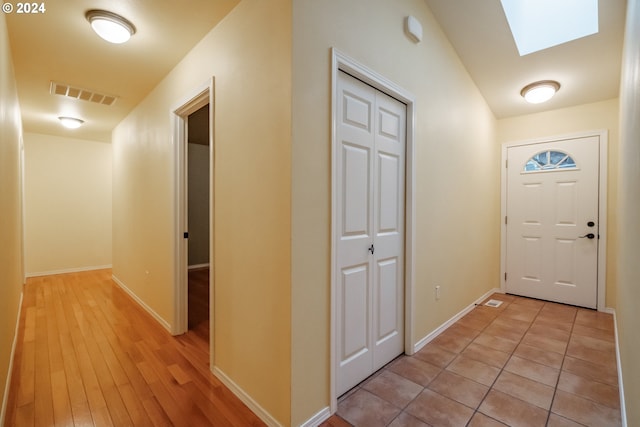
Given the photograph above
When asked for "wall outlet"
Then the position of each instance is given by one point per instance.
(437, 292)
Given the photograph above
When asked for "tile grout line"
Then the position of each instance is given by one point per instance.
(564, 357)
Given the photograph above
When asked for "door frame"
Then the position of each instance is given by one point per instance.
(341, 62)
(603, 142)
(196, 99)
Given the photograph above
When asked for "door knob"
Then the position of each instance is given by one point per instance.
(588, 236)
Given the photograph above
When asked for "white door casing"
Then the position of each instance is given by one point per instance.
(371, 130)
(550, 215)
(199, 97)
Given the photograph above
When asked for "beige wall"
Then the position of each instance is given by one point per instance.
(586, 117)
(11, 274)
(67, 204)
(457, 171)
(628, 295)
(249, 53)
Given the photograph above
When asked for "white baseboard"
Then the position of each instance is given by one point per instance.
(142, 304)
(623, 408)
(67, 270)
(440, 329)
(318, 418)
(198, 266)
(5, 399)
(245, 398)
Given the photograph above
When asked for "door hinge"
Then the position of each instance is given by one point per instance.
(186, 235)
(505, 277)
(506, 163)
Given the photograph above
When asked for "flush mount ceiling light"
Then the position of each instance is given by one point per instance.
(70, 122)
(541, 91)
(111, 27)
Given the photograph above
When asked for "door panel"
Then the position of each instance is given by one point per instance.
(387, 298)
(389, 198)
(548, 211)
(355, 191)
(369, 254)
(355, 313)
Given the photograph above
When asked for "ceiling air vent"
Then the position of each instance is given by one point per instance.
(82, 94)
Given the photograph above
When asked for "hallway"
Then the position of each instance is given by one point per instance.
(88, 355)
(525, 363)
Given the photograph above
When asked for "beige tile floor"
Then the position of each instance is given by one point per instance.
(526, 363)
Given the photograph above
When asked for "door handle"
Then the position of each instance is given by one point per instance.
(588, 236)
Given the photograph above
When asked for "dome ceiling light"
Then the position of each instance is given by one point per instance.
(538, 92)
(111, 27)
(70, 122)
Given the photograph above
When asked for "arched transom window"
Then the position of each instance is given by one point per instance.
(549, 160)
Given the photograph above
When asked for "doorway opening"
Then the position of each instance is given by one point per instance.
(198, 213)
(194, 212)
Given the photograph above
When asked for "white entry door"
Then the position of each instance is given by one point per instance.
(370, 155)
(552, 221)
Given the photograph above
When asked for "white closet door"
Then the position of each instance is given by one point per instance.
(371, 130)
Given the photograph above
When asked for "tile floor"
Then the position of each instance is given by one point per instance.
(525, 363)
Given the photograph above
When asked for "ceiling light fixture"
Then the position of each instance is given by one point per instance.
(111, 27)
(70, 122)
(538, 92)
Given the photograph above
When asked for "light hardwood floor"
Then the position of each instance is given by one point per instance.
(88, 355)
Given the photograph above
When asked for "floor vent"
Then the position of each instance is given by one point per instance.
(82, 94)
(493, 303)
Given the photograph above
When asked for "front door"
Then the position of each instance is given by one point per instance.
(370, 155)
(552, 221)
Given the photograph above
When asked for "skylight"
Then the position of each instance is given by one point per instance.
(541, 24)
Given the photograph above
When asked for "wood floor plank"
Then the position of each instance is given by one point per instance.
(30, 324)
(62, 413)
(26, 374)
(61, 403)
(42, 388)
(157, 415)
(102, 417)
(75, 386)
(117, 409)
(168, 404)
(24, 416)
(134, 405)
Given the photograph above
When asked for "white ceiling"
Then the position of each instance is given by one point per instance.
(588, 69)
(60, 46)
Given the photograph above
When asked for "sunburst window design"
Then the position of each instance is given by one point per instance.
(549, 160)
